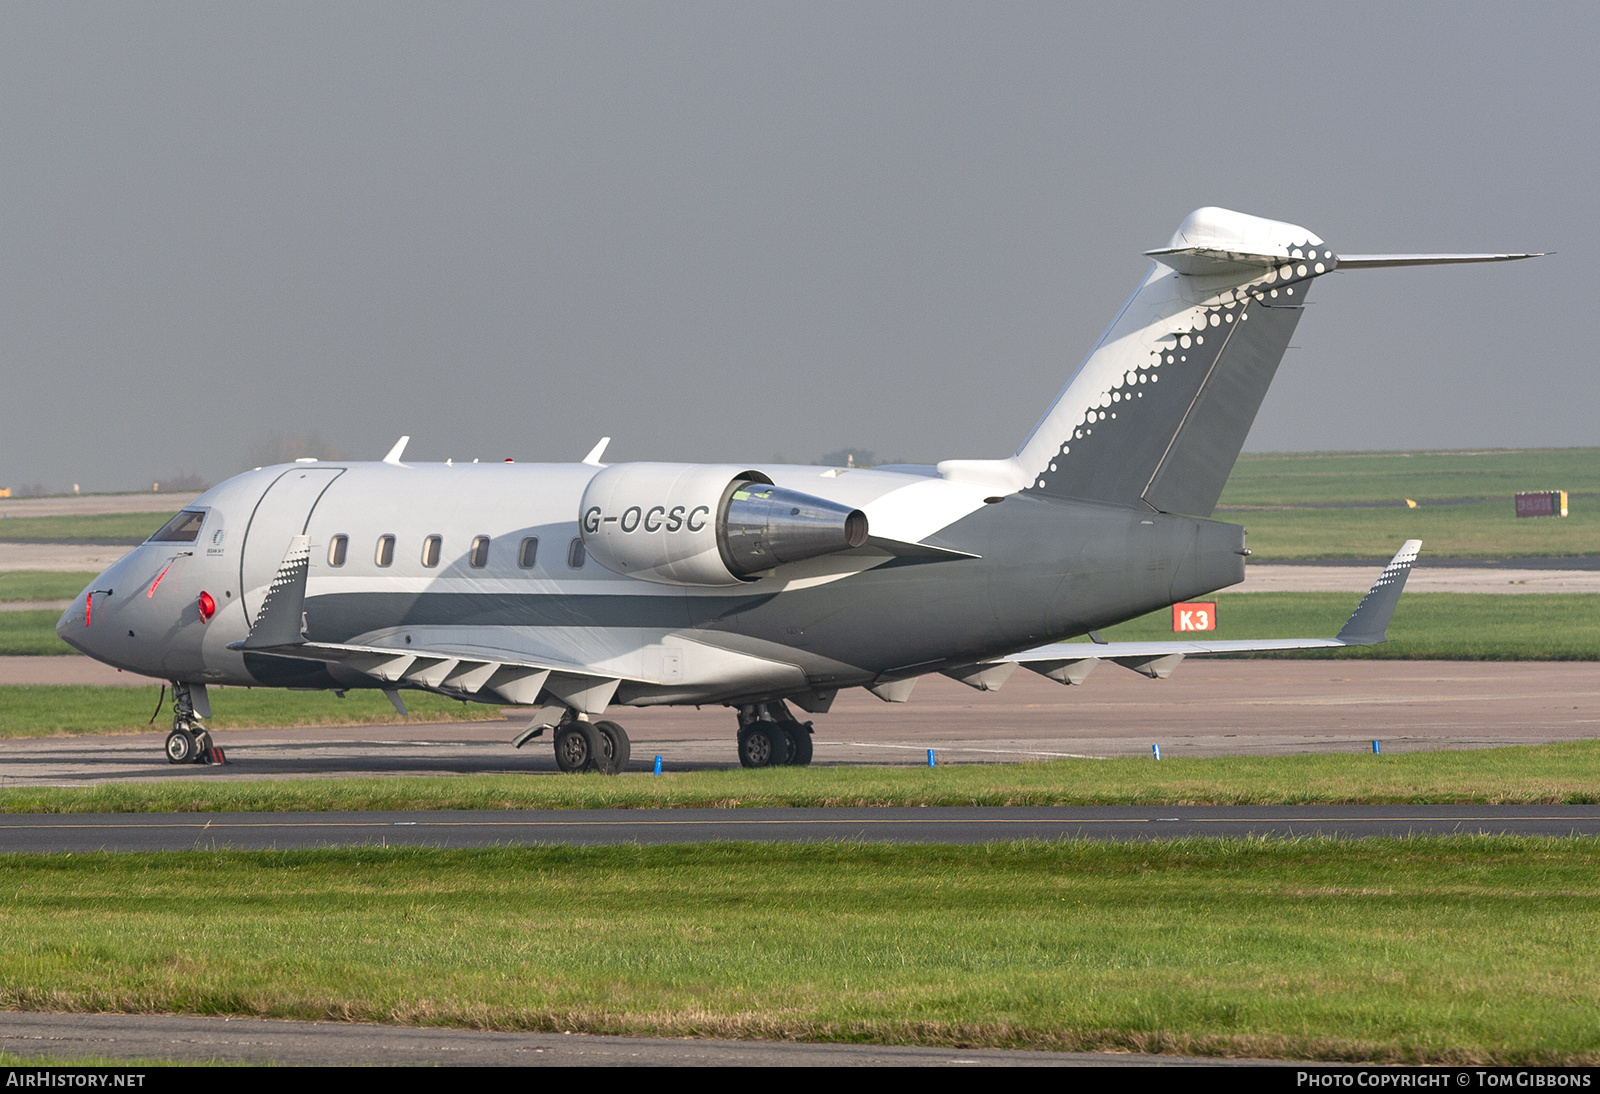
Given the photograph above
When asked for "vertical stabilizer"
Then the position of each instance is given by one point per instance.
(1161, 407)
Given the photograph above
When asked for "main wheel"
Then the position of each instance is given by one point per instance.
(577, 746)
(763, 744)
(799, 734)
(612, 758)
(181, 747)
(202, 747)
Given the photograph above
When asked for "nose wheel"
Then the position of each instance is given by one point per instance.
(182, 747)
(190, 741)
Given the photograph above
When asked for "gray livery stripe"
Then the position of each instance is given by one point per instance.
(338, 617)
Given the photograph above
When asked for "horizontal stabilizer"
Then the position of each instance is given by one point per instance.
(1203, 261)
(1381, 262)
(1367, 626)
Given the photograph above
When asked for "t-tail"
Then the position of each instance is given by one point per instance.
(1159, 410)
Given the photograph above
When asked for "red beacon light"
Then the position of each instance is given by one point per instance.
(207, 606)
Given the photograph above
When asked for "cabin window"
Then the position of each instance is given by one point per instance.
(183, 528)
(529, 554)
(430, 551)
(478, 557)
(576, 554)
(336, 550)
(384, 556)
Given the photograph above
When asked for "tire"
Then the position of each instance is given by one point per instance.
(763, 744)
(577, 746)
(799, 734)
(202, 748)
(612, 759)
(181, 747)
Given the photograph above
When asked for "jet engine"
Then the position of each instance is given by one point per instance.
(700, 524)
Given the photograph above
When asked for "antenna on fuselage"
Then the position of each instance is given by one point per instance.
(593, 458)
(394, 453)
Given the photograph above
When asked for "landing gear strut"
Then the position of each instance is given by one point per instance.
(582, 745)
(769, 736)
(190, 741)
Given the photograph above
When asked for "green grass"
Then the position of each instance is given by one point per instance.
(1343, 478)
(1487, 529)
(11, 1059)
(1426, 626)
(42, 710)
(89, 528)
(42, 585)
(1566, 773)
(1461, 950)
(31, 632)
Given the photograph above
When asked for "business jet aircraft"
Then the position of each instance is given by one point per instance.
(573, 588)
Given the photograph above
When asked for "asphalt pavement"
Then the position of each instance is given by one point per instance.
(83, 832)
(268, 1041)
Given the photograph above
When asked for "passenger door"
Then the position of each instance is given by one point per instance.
(283, 512)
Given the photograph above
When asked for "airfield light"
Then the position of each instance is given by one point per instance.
(208, 607)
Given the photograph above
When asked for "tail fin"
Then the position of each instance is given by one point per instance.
(1159, 410)
(1161, 407)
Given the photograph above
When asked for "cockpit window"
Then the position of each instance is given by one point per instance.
(183, 528)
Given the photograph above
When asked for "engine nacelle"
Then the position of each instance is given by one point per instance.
(706, 524)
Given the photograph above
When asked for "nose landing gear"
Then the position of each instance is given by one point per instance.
(769, 736)
(190, 741)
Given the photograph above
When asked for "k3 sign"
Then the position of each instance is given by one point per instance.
(1198, 616)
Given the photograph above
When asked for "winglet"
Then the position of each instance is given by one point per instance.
(593, 458)
(279, 621)
(394, 453)
(1369, 623)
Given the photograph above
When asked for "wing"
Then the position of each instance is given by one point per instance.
(1071, 662)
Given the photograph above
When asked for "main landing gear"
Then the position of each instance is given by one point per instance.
(190, 741)
(582, 745)
(769, 736)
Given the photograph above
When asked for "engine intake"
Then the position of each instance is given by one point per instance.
(700, 524)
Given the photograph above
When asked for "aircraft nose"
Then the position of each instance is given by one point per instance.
(70, 627)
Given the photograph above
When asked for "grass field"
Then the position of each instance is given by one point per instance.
(42, 585)
(40, 711)
(31, 632)
(1485, 529)
(1463, 950)
(91, 528)
(1352, 482)
(1427, 626)
(1566, 773)
(1348, 478)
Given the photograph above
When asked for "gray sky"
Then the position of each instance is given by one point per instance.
(734, 231)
